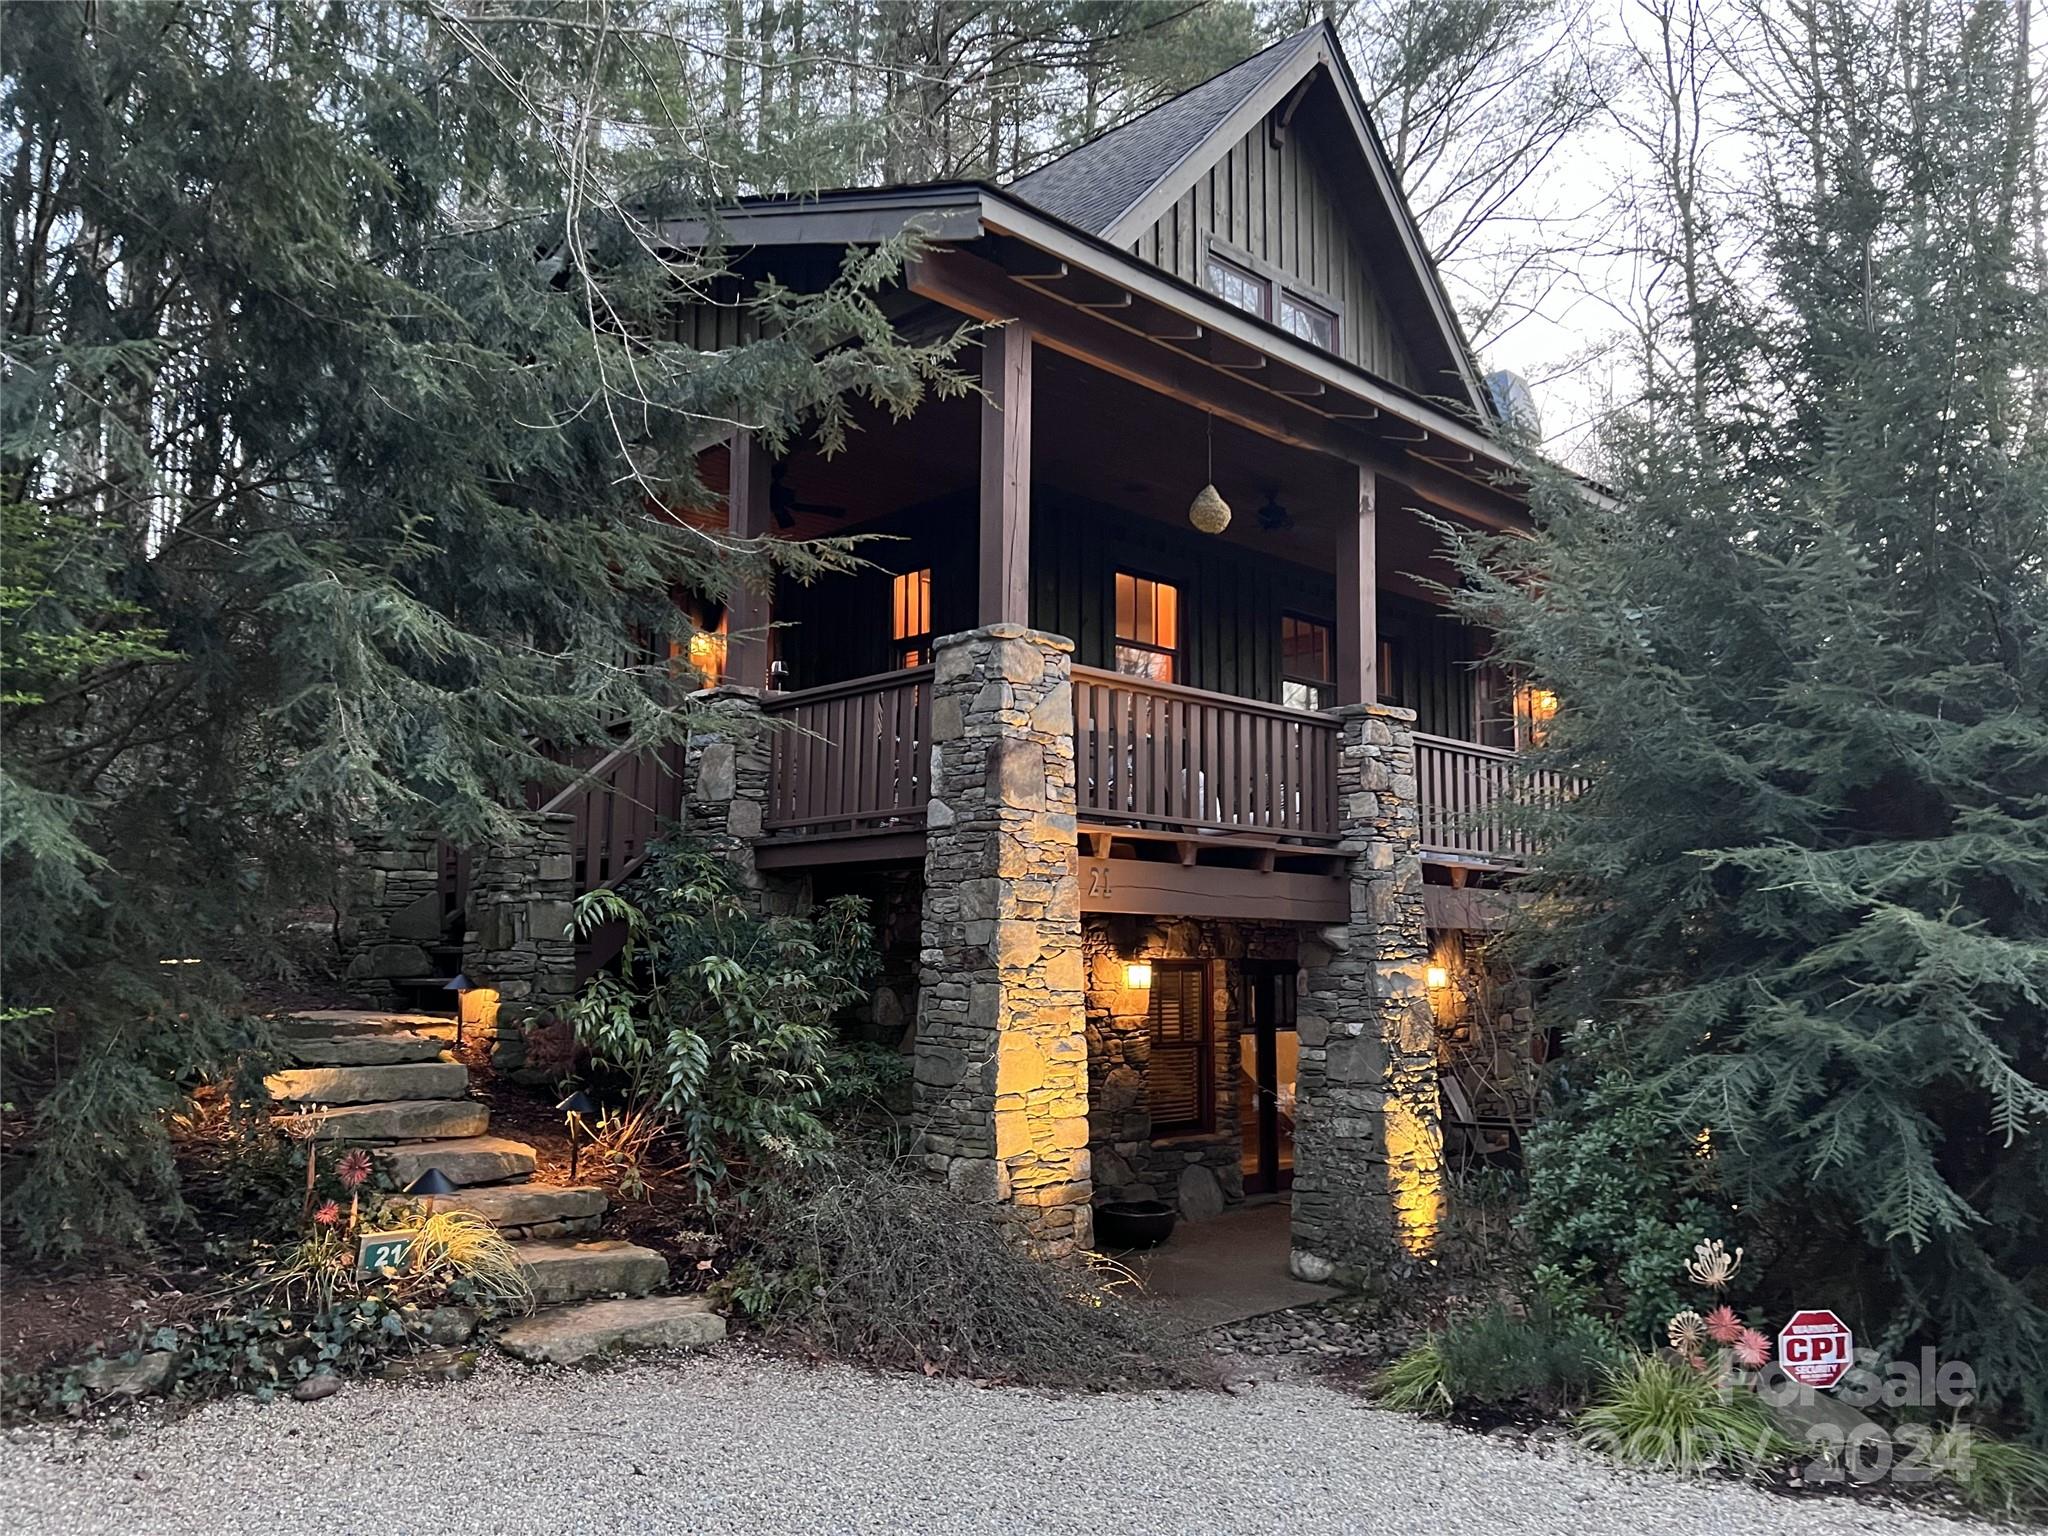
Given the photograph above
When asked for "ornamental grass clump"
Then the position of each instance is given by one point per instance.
(1662, 1411)
(1994, 1477)
(1546, 1358)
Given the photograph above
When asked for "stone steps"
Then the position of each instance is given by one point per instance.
(399, 1120)
(321, 1023)
(385, 1084)
(366, 1049)
(568, 1270)
(567, 1335)
(470, 1160)
(532, 1210)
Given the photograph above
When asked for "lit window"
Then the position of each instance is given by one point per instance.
(1147, 627)
(1235, 286)
(1311, 322)
(1535, 708)
(910, 598)
(1307, 654)
(1390, 672)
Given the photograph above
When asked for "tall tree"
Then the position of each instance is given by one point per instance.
(337, 430)
(1802, 654)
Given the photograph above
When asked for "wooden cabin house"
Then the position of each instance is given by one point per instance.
(1170, 824)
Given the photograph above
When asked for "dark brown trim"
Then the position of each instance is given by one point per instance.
(749, 610)
(1157, 888)
(1006, 475)
(806, 853)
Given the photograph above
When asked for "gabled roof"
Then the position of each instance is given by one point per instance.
(1093, 185)
(1118, 184)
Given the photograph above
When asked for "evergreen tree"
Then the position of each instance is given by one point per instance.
(1802, 657)
(337, 432)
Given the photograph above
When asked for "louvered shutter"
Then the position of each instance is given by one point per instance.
(1180, 1049)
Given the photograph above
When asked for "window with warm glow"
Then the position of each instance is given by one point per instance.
(1535, 709)
(705, 649)
(1179, 1075)
(911, 617)
(1147, 627)
(1308, 650)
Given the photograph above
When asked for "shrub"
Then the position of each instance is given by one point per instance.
(1657, 1411)
(867, 1257)
(1995, 1477)
(1620, 1192)
(719, 1023)
(1547, 1358)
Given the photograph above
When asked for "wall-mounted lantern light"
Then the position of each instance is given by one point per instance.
(1437, 977)
(1137, 975)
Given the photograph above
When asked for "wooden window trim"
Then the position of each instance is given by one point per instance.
(1277, 282)
(1118, 640)
(1268, 307)
(1325, 686)
(1204, 1048)
(910, 647)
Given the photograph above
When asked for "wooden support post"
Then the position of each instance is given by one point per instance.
(1006, 476)
(748, 611)
(1358, 621)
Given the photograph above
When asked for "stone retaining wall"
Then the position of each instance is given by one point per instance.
(391, 914)
(519, 947)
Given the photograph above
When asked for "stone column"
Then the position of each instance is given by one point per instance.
(392, 913)
(1368, 1142)
(519, 948)
(726, 791)
(1000, 1095)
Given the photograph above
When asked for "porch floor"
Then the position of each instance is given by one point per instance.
(1227, 1269)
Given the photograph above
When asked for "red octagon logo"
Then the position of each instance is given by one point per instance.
(1816, 1349)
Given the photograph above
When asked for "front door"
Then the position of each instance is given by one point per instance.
(1266, 1057)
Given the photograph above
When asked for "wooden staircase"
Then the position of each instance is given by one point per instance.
(388, 1082)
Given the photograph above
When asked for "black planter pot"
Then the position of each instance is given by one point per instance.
(1133, 1224)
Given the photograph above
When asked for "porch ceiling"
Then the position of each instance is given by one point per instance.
(1111, 441)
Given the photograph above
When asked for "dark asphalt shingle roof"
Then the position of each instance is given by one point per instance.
(1094, 184)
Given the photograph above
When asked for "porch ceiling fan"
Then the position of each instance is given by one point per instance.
(783, 504)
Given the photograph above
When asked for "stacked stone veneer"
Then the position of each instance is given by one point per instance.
(725, 778)
(1000, 1087)
(391, 913)
(1199, 1172)
(1368, 1143)
(519, 946)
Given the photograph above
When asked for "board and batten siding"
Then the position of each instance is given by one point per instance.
(1273, 203)
(1231, 604)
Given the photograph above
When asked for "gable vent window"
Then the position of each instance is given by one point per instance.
(1178, 1077)
(1237, 287)
(1311, 322)
(911, 620)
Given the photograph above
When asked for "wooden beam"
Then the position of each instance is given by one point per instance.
(1358, 623)
(1006, 475)
(748, 611)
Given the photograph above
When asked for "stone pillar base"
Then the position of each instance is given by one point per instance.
(1000, 1093)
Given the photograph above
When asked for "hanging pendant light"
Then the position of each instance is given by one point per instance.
(1209, 511)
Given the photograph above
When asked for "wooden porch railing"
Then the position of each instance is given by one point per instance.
(1466, 791)
(616, 811)
(851, 758)
(1181, 760)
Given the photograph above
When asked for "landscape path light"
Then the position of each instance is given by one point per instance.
(576, 1106)
(429, 1184)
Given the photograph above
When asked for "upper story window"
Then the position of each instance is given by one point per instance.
(910, 619)
(1311, 322)
(1147, 627)
(1308, 651)
(1236, 286)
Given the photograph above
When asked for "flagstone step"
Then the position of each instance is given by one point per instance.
(370, 1085)
(565, 1335)
(404, 1120)
(366, 1050)
(531, 1205)
(469, 1161)
(567, 1270)
(323, 1023)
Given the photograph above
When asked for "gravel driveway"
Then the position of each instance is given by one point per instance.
(735, 1444)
